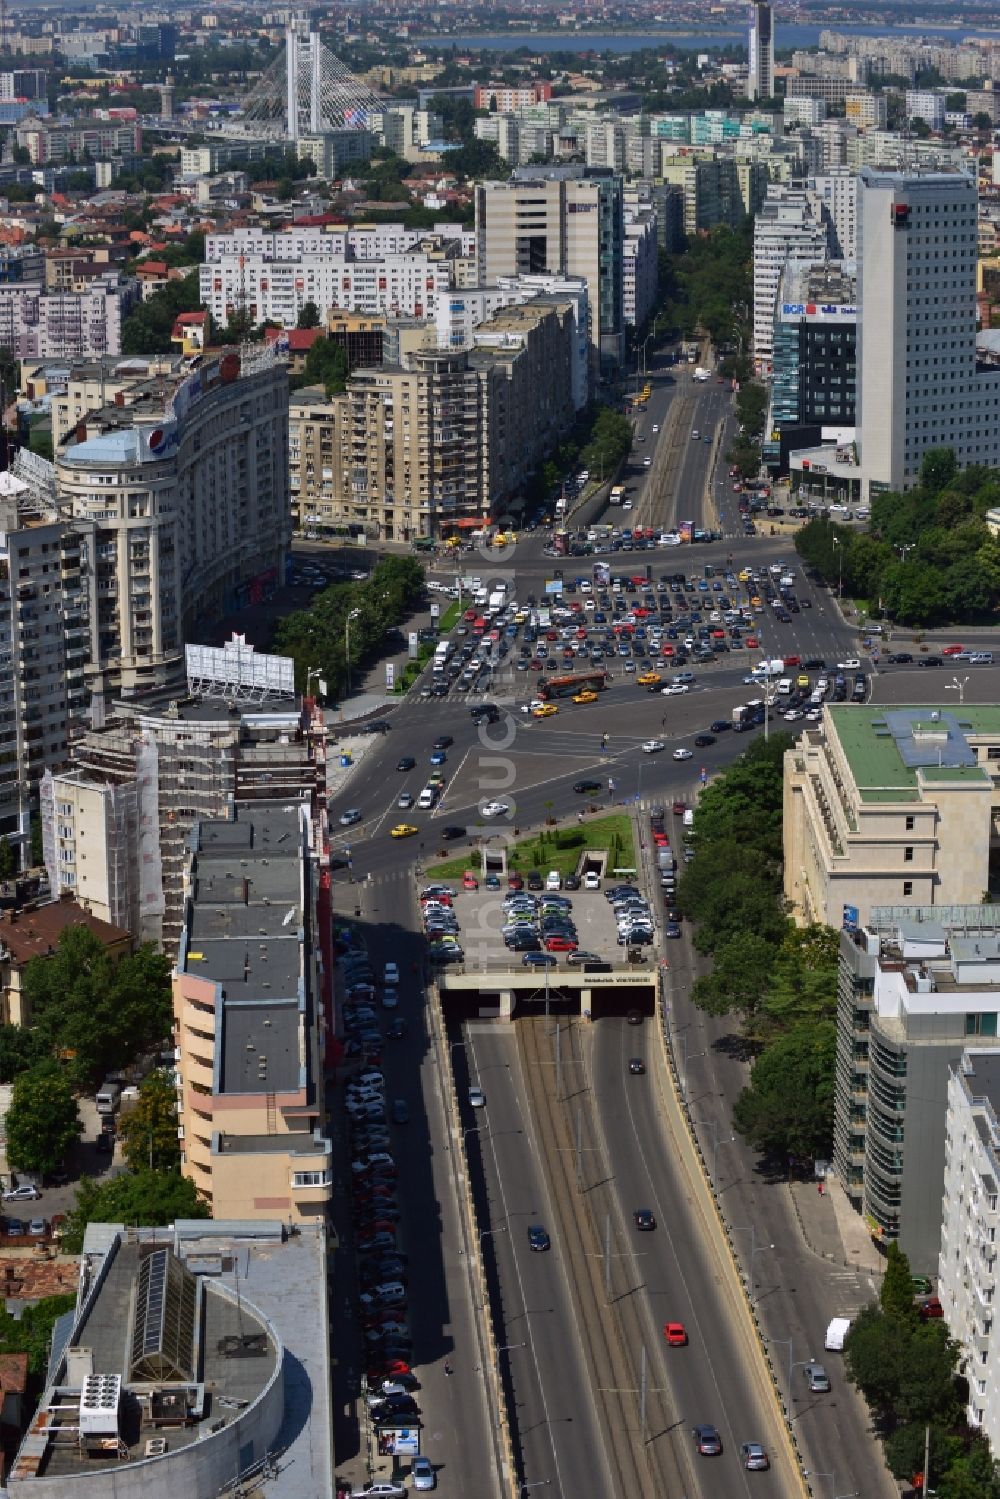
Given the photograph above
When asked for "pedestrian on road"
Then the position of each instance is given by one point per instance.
(447, 1368)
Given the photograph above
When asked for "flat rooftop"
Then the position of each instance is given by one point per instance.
(282, 1305)
(893, 751)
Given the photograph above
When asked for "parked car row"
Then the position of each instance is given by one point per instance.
(539, 927)
(632, 915)
(440, 924)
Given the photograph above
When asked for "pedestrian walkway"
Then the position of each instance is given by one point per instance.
(831, 1228)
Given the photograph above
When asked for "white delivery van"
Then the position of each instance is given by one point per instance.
(784, 686)
(836, 1333)
(427, 798)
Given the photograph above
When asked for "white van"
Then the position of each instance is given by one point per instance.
(689, 817)
(427, 798)
(784, 687)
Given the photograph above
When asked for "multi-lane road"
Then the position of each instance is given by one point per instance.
(582, 1324)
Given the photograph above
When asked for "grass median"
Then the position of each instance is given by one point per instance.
(554, 848)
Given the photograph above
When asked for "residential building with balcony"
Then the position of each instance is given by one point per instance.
(117, 820)
(789, 226)
(916, 988)
(890, 806)
(248, 1019)
(967, 1268)
(178, 488)
(36, 323)
(44, 649)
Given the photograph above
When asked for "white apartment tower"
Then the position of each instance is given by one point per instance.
(918, 383)
(789, 226)
(970, 1230)
(760, 79)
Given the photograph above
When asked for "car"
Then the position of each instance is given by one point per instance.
(702, 741)
(585, 788)
(38, 1227)
(675, 1334)
(406, 763)
(591, 880)
(634, 1017)
(477, 1098)
(649, 679)
(919, 1284)
(719, 725)
(381, 1490)
(645, 1220)
(679, 808)
(350, 817)
(495, 809)
(423, 1474)
(538, 1238)
(469, 881)
(15, 1228)
(579, 697)
(26, 1192)
(545, 711)
(400, 1111)
(931, 1309)
(439, 757)
(636, 1067)
(404, 801)
(952, 650)
(816, 1378)
(672, 930)
(653, 746)
(707, 1441)
(851, 664)
(683, 754)
(450, 834)
(443, 742)
(572, 882)
(534, 957)
(899, 658)
(754, 1457)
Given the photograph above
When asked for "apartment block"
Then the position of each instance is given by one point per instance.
(830, 90)
(117, 819)
(24, 83)
(837, 191)
(640, 261)
(890, 806)
(919, 385)
(559, 220)
(804, 111)
(789, 226)
(448, 442)
(178, 489)
(52, 141)
(44, 647)
(711, 187)
(967, 1268)
(507, 98)
(248, 1020)
(866, 111)
(40, 324)
(927, 105)
(916, 988)
(760, 78)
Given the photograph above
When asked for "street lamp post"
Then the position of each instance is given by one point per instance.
(755, 1248)
(347, 643)
(840, 568)
(684, 1070)
(957, 684)
(714, 1123)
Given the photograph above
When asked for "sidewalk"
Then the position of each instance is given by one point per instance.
(831, 1228)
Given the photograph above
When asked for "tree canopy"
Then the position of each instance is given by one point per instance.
(928, 558)
(142, 1198)
(97, 1013)
(43, 1121)
(148, 326)
(787, 1107)
(148, 1130)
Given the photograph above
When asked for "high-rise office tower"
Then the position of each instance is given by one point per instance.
(918, 383)
(760, 80)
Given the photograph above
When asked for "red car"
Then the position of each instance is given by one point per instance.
(675, 1334)
(953, 650)
(515, 882)
(793, 661)
(560, 944)
(752, 643)
(679, 808)
(930, 1309)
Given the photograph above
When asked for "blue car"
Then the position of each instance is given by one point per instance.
(538, 1238)
(439, 757)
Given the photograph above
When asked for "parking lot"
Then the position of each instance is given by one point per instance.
(480, 914)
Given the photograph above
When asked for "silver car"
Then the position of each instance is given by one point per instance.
(423, 1474)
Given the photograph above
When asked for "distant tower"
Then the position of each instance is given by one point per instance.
(760, 80)
(166, 91)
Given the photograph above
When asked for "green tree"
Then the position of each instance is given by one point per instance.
(896, 1293)
(803, 979)
(104, 1014)
(20, 1049)
(43, 1120)
(142, 1198)
(739, 978)
(308, 316)
(937, 469)
(326, 364)
(904, 1452)
(787, 1107)
(148, 1131)
(30, 1331)
(147, 328)
(8, 860)
(875, 1353)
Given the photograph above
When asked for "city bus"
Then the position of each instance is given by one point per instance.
(580, 681)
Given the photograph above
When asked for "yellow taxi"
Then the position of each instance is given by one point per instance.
(649, 679)
(586, 696)
(744, 575)
(802, 680)
(403, 830)
(545, 711)
(505, 538)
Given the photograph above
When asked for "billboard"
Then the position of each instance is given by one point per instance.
(235, 670)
